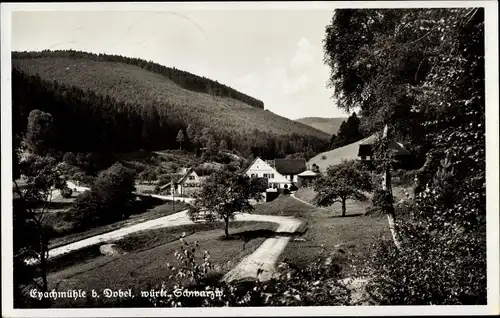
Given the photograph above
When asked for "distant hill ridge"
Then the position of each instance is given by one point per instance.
(328, 125)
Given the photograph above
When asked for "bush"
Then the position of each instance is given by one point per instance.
(426, 272)
(115, 187)
(111, 198)
(382, 201)
(323, 157)
(66, 192)
(70, 158)
(86, 210)
(403, 178)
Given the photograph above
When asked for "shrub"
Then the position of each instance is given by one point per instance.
(85, 211)
(70, 158)
(115, 187)
(426, 271)
(382, 199)
(323, 157)
(66, 192)
(403, 178)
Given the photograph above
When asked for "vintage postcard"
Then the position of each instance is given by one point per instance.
(249, 159)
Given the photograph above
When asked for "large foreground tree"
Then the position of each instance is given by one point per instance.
(421, 72)
(42, 179)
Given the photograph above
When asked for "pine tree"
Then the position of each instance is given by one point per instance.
(180, 138)
(223, 145)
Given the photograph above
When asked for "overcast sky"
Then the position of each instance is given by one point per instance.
(275, 56)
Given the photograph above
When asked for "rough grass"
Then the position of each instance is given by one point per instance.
(145, 264)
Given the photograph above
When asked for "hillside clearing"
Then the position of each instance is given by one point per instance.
(335, 156)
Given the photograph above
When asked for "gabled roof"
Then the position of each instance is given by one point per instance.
(187, 172)
(307, 173)
(248, 168)
(290, 166)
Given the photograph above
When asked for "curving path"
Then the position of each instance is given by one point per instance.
(263, 259)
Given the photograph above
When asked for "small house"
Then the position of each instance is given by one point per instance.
(367, 148)
(306, 178)
(263, 169)
(185, 182)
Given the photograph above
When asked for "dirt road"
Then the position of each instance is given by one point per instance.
(265, 257)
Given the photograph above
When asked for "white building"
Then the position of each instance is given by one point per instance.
(261, 169)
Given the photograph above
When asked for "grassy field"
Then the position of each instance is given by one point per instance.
(335, 156)
(144, 262)
(347, 239)
(153, 213)
(306, 194)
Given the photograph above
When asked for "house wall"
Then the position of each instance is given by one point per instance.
(192, 180)
(261, 169)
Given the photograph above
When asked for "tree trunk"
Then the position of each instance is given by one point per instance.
(226, 229)
(343, 207)
(391, 220)
(391, 216)
(43, 262)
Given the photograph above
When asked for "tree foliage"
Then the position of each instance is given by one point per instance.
(348, 132)
(225, 193)
(421, 71)
(110, 199)
(342, 182)
(180, 138)
(40, 132)
(42, 176)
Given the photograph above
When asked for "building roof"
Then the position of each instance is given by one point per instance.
(290, 166)
(186, 173)
(307, 173)
(370, 141)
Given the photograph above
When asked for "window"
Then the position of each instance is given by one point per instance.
(253, 175)
(266, 175)
(191, 177)
(272, 175)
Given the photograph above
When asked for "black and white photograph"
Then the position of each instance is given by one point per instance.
(250, 158)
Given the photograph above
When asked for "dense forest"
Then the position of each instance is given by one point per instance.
(114, 107)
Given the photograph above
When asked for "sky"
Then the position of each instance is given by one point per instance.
(273, 55)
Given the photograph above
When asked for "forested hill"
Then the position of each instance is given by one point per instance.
(184, 79)
(114, 103)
